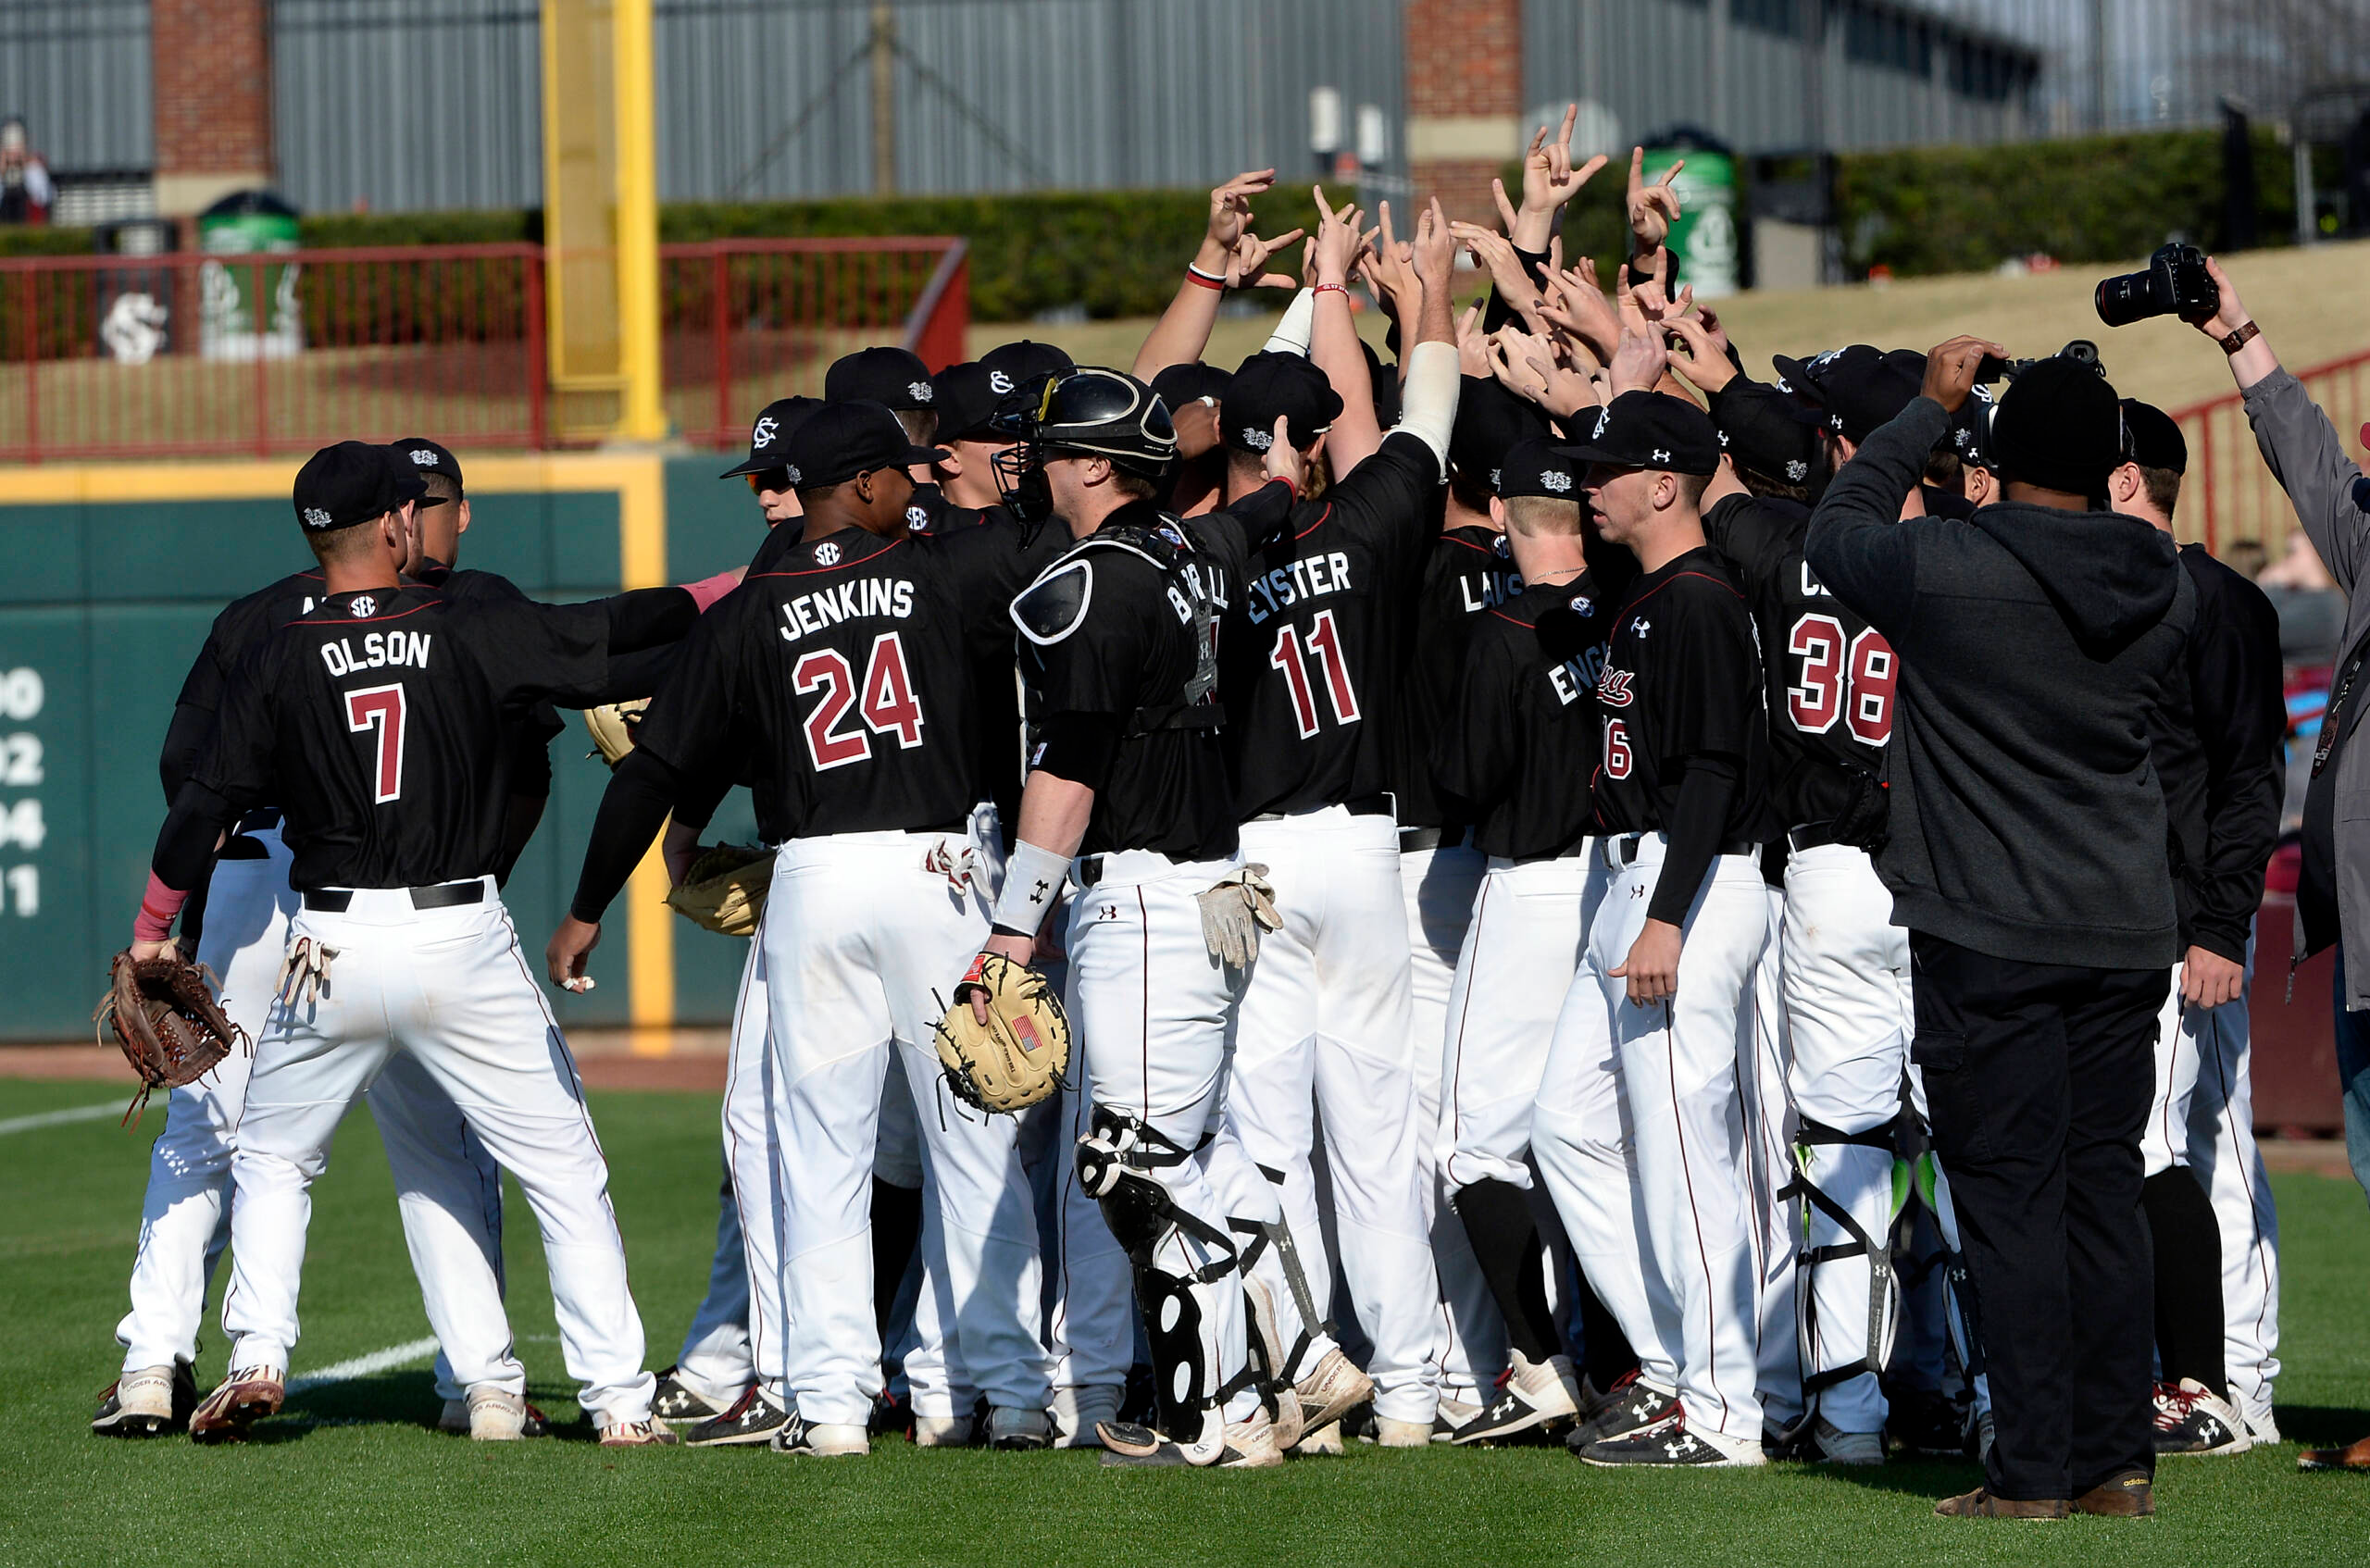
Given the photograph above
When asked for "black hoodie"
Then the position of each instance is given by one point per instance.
(2026, 820)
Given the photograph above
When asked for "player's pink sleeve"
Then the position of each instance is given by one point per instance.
(707, 591)
(157, 907)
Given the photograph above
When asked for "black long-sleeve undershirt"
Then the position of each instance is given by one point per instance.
(634, 808)
(1699, 818)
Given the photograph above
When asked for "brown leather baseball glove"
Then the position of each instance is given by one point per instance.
(724, 888)
(612, 726)
(1018, 1055)
(165, 1018)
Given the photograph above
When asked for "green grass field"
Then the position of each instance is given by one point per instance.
(352, 1473)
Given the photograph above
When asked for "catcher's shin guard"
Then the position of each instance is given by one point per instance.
(1959, 1309)
(1884, 1286)
(1115, 1162)
(1284, 1360)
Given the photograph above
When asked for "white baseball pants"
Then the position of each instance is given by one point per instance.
(451, 988)
(1678, 1064)
(1769, 1121)
(1850, 1017)
(857, 934)
(449, 1188)
(1091, 1333)
(1324, 1028)
(715, 1360)
(1157, 1013)
(1468, 1338)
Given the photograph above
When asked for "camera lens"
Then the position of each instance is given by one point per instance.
(2135, 296)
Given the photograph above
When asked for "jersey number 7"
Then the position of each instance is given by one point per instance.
(382, 708)
(889, 706)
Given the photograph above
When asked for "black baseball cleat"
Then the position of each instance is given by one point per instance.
(890, 1414)
(1671, 1446)
(147, 1404)
(673, 1401)
(753, 1419)
(2191, 1419)
(819, 1440)
(1926, 1422)
(1634, 1406)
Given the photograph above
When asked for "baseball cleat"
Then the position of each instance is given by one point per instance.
(1390, 1434)
(1532, 1396)
(1128, 1444)
(1251, 1445)
(889, 1414)
(2128, 1494)
(496, 1416)
(2261, 1426)
(1320, 1439)
(820, 1439)
(650, 1433)
(1980, 1504)
(1671, 1446)
(942, 1431)
(454, 1419)
(1830, 1444)
(753, 1419)
(2191, 1420)
(1018, 1430)
(1330, 1391)
(1634, 1405)
(243, 1398)
(1076, 1413)
(1453, 1415)
(147, 1402)
(675, 1400)
(1267, 1347)
(1926, 1422)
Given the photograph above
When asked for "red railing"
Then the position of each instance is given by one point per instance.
(187, 355)
(2230, 494)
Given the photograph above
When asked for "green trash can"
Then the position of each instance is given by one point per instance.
(249, 312)
(1707, 233)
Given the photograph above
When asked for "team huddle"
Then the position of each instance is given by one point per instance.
(1441, 788)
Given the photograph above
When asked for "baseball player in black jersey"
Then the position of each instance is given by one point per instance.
(846, 672)
(1681, 798)
(1127, 796)
(1522, 731)
(2215, 742)
(1307, 675)
(375, 720)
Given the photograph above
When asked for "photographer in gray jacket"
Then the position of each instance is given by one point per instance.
(2332, 499)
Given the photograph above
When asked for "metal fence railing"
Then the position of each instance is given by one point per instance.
(2230, 494)
(186, 355)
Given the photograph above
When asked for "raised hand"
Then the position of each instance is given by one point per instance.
(1576, 304)
(1230, 215)
(1641, 359)
(1473, 346)
(1949, 369)
(2233, 312)
(1389, 267)
(1652, 208)
(1496, 255)
(1435, 246)
(1698, 355)
(1549, 180)
(1283, 460)
(1339, 242)
(1246, 264)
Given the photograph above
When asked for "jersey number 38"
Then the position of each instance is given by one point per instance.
(1848, 680)
(886, 702)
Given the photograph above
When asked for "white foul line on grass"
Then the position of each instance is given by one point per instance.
(59, 1118)
(363, 1366)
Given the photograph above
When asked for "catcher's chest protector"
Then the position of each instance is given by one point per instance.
(1052, 607)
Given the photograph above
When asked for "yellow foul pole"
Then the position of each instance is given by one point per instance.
(644, 415)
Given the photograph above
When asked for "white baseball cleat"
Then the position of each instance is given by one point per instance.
(1320, 1439)
(1076, 1412)
(821, 1439)
(1533, 1394)
(1390, 1434)
(942, 1431)
(1331, 1392)
(1251, 1445)
(1018, 1430)
(2191, 1419)
(148, 1402)
(496, 1416)
(1836, 1446)
(645, 1434)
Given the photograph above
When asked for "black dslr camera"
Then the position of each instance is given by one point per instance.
(2081, 350)
(2175, 283)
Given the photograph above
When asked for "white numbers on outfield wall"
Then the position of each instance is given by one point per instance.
(21, 828)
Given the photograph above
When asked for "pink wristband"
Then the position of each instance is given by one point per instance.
(708, 589)
(157, 907)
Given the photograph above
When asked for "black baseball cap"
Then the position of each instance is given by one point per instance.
(1652, 429)
(1268, 387)
(2151, 438)
(894, 378)
(1538, 466)
(353, 482)
(770, 434)
(1022, 362)
(428, 457)
(1857, 389)
(2060, 426)
(1491, 421)
(1191, 382)
(1970, 428)
(967, 399)
(842, 439)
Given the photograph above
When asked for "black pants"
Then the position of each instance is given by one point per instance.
(2037, 1076)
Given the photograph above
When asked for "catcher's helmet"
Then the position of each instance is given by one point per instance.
(1088, 411)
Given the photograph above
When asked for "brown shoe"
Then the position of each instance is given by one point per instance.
(243, 1398)
(2125, 1494)
(2356, 1457)
(1980, 1504)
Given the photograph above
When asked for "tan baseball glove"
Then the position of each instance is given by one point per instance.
(1014, 1060)
(612, 726)
(724, 888)
(165, 1018)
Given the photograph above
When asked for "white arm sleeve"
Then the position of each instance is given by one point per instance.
(1427, 397)
(1291, 333)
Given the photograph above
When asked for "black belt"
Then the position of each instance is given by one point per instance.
(1624, 849)
(443, 895)
(1576, 847)
(1413, 840)
(1365, 805)
(1812, 836)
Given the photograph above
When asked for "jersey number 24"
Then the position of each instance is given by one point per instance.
(888, 705)
(1852, 681)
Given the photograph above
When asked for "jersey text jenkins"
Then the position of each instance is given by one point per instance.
(810, 613)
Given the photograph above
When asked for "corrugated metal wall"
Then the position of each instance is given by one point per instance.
(78, 72)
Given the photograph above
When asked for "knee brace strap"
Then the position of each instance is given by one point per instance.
(1883, 1286)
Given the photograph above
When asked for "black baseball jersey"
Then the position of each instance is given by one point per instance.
(1308, 669)
(1524, 734)
(376, 722)
(847, 673)
(1682, 678)
(1830, 676)
(1466, 572)
(1125, 634)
